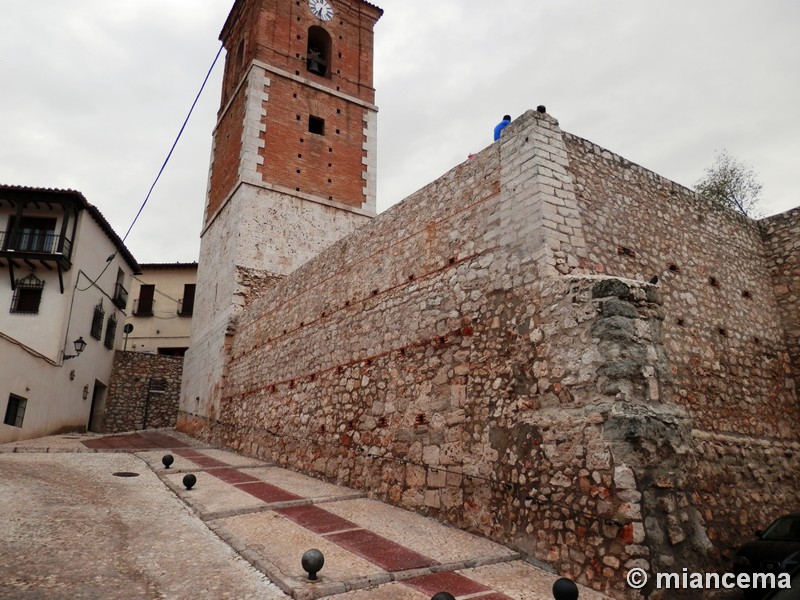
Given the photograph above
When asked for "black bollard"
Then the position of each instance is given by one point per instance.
(565, 589)
(443, 596)
(167, 460)
(189, 480)
(312, 562)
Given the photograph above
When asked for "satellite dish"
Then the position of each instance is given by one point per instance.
(128, 327)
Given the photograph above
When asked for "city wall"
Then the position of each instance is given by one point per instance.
(488, 352)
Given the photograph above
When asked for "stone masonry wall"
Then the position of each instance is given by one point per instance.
(730, 304)
(782, 238)
(487, 352)
(724, 329)
(143, 393)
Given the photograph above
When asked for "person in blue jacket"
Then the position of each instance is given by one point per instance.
(500, 126)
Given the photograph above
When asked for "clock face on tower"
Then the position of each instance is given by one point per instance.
(321, 9)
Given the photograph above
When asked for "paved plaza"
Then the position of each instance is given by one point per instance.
(97, 517)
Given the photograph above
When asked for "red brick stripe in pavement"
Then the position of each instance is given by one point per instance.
(456, 584)
(233, 476)
(135, 441)
(267, 492)
(164, 440)
(201, 459)
(369, 545)
(316, 519)
(380, 551)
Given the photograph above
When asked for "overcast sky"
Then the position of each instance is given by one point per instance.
(93, 93)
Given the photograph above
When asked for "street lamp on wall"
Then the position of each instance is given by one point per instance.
(79, 347)
(86, 391)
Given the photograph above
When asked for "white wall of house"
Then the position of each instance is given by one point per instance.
(33, 345)
(35, 331)
(54, 402)
(166, 328)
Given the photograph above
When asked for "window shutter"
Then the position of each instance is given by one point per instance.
(145, 304)
(187, 306)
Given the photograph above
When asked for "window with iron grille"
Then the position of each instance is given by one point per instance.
(27, 295)
(15, 411)
(97, 321)
(111, 332)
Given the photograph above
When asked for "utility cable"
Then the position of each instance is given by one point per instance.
(175, 143)
(161, 170)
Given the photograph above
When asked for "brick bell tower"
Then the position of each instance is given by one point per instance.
(293, 165)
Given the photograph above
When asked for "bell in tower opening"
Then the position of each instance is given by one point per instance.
(319, 49)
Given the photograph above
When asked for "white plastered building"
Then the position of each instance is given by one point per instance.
(64, 276)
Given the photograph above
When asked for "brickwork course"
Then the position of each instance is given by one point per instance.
(489, 352)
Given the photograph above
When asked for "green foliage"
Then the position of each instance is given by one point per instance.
(731, 183)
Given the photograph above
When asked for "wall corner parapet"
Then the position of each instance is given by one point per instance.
(540, 207)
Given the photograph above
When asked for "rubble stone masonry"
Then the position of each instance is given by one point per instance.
(489, 352)
(782, 239)
(144, 392)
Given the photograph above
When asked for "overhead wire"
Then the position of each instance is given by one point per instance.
(174, 144)
(160, 171)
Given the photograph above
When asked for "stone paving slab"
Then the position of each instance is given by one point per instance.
(224, 491)
(446, 545)
(212, 495)
(384, 552)
(96, 442)
(455, 583)
(522, 581)
(317, 519)
(389, 591)
(365, 542)
(302, 485)
(279, 544)
(53, 443)
(233, 459)
(70, 529)
(182, 464)
(137, 441)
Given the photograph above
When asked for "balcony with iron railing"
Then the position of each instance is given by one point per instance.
(142, 308)
(185, 307)
(41, 245)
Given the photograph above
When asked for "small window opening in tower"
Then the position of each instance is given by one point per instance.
(240, 55)
(316, 125)
(319, 51)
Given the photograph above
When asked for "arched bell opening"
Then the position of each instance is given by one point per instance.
(318, 57)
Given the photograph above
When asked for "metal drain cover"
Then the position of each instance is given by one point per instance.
(125, 474)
